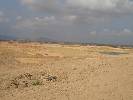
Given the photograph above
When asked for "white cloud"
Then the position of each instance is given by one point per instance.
(93, 33)
(19, 17)
(93, 4)
(33, 23)
(27, 1)
(125, 30)
(70, 17)
(3, 18)
(106, 30)
(122, 32)
(1, 13)
(106, 6)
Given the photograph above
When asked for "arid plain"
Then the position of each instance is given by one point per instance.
(34, 71)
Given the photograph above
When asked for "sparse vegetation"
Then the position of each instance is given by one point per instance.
(64, 72)
(36, 82)
(51, 78)
(28, 80)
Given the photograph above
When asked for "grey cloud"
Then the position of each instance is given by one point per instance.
(90, 11)
(77, 19)
(119, 6)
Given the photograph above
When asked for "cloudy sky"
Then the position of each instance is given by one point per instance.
(98, 21)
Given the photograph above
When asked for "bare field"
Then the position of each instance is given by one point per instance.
(33, 71)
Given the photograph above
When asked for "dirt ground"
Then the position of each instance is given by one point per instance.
(33, 71)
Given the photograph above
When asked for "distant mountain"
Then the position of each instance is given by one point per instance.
(7, 37)
(40, 39)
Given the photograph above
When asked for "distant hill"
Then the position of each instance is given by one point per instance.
(40, 39)
(7, 37)
(43, 39)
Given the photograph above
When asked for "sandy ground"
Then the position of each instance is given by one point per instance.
(33, 71)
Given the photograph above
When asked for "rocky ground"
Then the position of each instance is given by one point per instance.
(33, 71)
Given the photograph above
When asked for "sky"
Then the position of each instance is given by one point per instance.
(92, 21)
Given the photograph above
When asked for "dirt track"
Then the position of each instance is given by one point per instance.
(33, 71)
